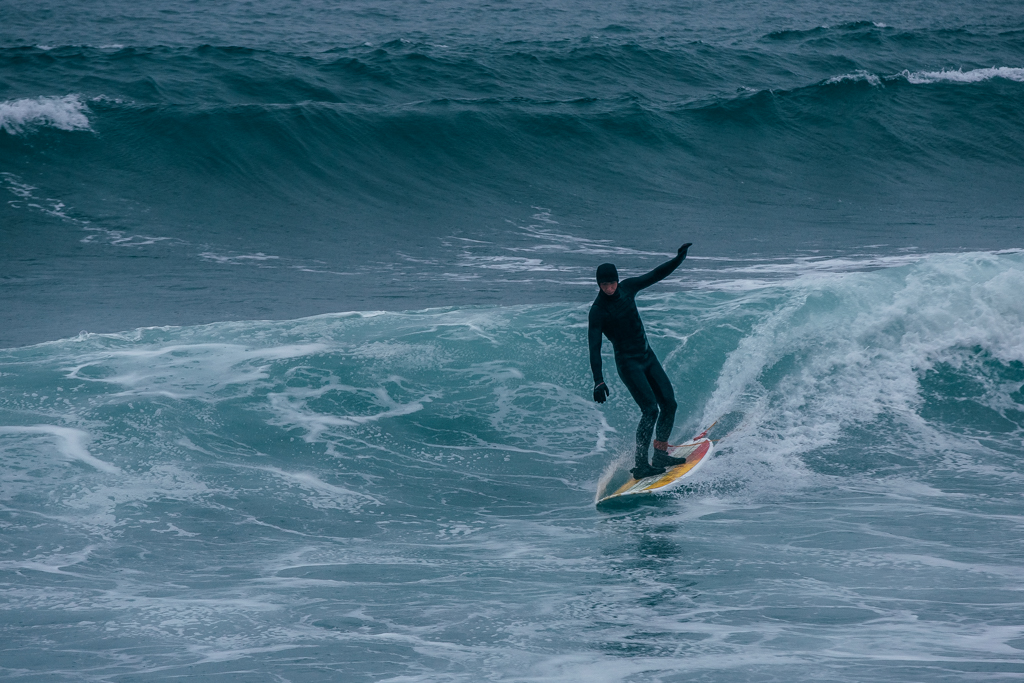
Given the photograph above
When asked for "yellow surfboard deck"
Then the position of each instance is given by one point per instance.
(697, 452)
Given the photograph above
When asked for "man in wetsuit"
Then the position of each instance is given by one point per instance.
(614, 315)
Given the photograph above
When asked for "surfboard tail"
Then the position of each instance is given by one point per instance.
(659, 483)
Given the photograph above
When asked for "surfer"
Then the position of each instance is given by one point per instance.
(614, 315)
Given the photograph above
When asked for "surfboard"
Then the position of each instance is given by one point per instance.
(697, 451)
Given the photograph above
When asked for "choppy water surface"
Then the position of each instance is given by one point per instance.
(409, 496)
(329, 418)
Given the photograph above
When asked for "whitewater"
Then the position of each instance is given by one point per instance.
(409, 496)
(294, 382)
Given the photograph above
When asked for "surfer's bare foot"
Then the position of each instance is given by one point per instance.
(645, 470)
(663, 459)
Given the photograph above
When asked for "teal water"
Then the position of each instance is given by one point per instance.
(286, 159)
(293, 378)
(410, 496)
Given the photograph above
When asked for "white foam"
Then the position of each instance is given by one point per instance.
(18, 188)
(845, 348)
(257, 257)
(550, 240)
(926, 77)
(115, 238)
(804, 265)
(52, 563)
(398, 353)
(56, 208)
(218, 654)
(291, 408)
(511, 264)
(70, 442)
(184, 370)
(855, 76)
(620, 462)
(24, 115)
(175, 530)
(331, 493)
(960, 76)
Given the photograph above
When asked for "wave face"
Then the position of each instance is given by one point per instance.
(253, 168)
(410, 495)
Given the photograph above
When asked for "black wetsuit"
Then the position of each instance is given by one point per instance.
(616, 317)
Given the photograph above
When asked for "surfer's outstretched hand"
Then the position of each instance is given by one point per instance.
(601, 392)
(682, 249)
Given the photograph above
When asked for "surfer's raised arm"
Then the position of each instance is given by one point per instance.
(662, 271)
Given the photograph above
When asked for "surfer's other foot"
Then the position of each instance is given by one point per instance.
(663, 459)
(646, 470)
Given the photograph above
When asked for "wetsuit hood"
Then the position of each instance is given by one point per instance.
(606, 272)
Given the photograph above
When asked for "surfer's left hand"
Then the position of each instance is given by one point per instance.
(601, 392)
(682, 249)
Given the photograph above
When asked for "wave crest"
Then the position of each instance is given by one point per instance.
(27, 114)
(960, 76)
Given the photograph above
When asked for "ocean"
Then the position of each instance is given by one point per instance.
(294, 383)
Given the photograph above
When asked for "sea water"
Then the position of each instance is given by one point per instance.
(294, 382)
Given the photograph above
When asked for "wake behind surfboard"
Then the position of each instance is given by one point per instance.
(697, 452)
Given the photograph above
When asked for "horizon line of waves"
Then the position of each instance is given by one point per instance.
(377, 77)
(68, 112)
(637, 118)
(364, 55)
(465, 132)
(21, 116)
(823, 28)
(473, 79)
